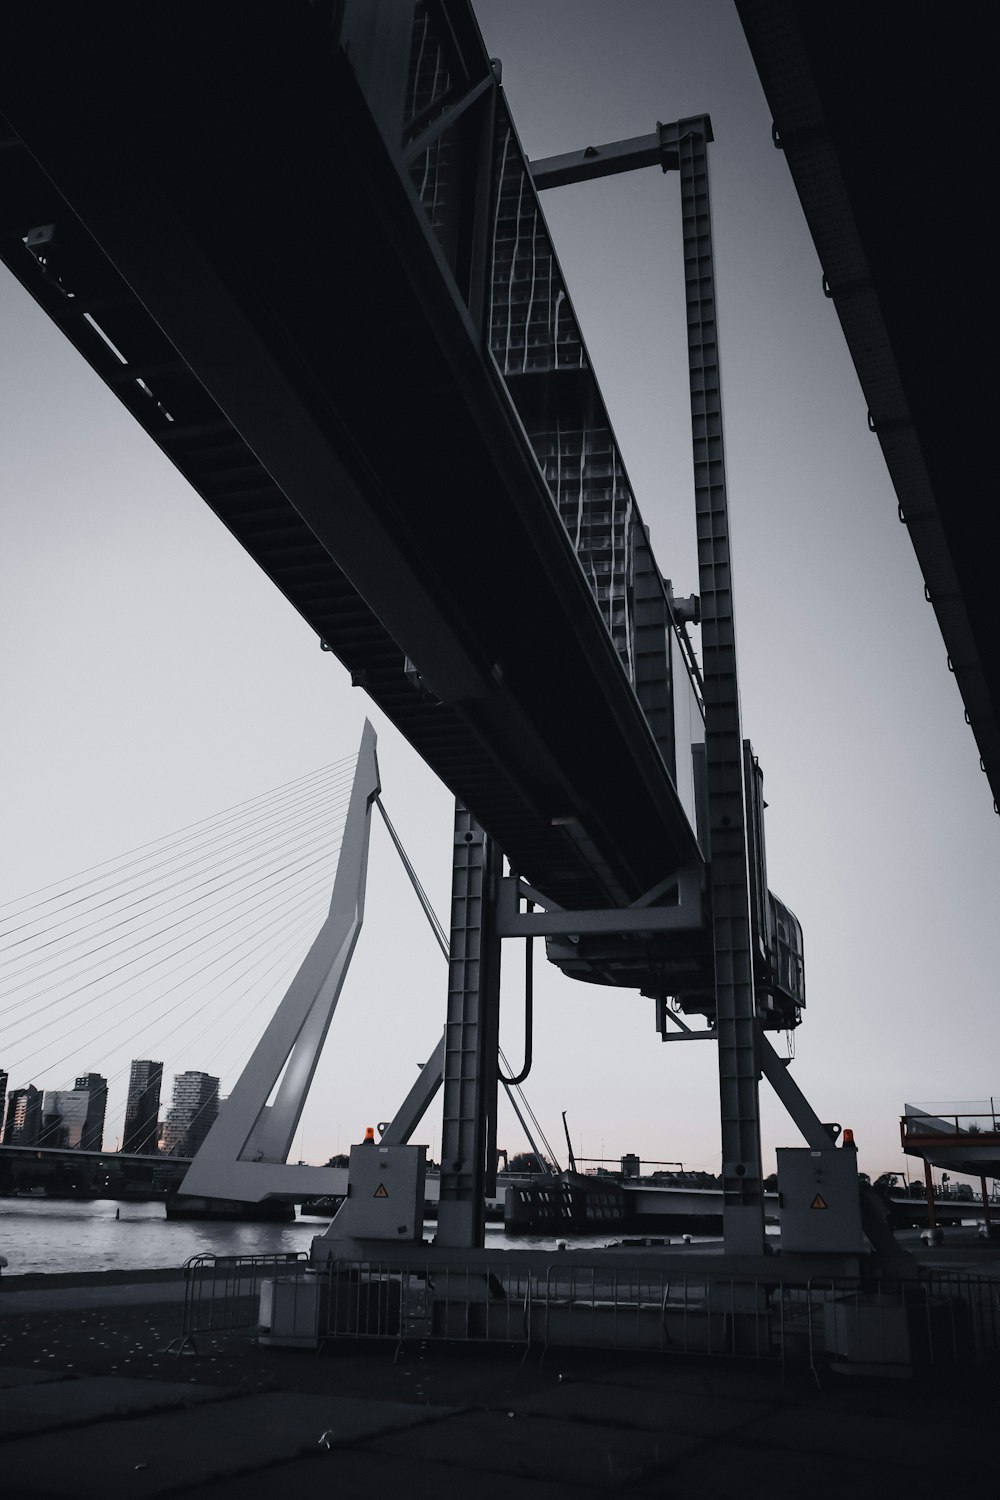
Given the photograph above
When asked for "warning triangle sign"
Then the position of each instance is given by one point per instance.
(380, 1192)
(818, 1202)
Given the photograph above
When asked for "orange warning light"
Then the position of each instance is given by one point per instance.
(848, 1141)
(369, 1139)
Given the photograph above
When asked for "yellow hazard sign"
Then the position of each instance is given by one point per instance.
(380, 1192)
(818, 1202)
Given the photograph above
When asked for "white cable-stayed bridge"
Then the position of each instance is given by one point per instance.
(170, 950)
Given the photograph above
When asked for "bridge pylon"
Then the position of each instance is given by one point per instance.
(245, 1155)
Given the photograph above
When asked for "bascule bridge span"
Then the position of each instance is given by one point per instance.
(305, 250)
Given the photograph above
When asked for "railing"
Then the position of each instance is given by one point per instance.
(222, 1294)
(943, 1321)
(483, 1302)
(970, 1118)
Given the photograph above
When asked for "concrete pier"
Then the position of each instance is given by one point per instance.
(90, 1404)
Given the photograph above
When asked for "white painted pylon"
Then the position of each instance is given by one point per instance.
(245, 1154)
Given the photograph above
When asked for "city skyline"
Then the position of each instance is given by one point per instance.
(159, 678)
(73, 1119)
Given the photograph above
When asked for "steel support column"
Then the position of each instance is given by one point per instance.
(468, 1131)
(683, 145)
(743, 1200)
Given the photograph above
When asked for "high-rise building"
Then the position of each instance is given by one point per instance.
(192, 1113)
(93, 1131)
(24, 1117)
(64, 1118)
(142, 1108)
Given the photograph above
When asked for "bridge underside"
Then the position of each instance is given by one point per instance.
(890, 162)
(224, 237)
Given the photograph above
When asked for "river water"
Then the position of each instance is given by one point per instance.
(62, 1236)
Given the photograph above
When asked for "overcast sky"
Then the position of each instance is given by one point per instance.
(152, 676)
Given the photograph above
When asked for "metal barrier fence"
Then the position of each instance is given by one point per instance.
(222, 1294)
(942, 1321)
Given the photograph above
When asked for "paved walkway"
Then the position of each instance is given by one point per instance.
(90, 1405)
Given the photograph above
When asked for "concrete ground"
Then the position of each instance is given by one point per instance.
(91, 1404)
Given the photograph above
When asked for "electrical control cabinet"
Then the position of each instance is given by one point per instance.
(289, 1310)
(820, 1206)
(385, 1195)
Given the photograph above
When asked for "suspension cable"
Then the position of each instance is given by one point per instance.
(512, 1082)
(439, 933)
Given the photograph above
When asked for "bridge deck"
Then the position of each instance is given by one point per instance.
(273, 309)
(890, 164)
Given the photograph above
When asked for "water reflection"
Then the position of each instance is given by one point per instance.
(58, 1236)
